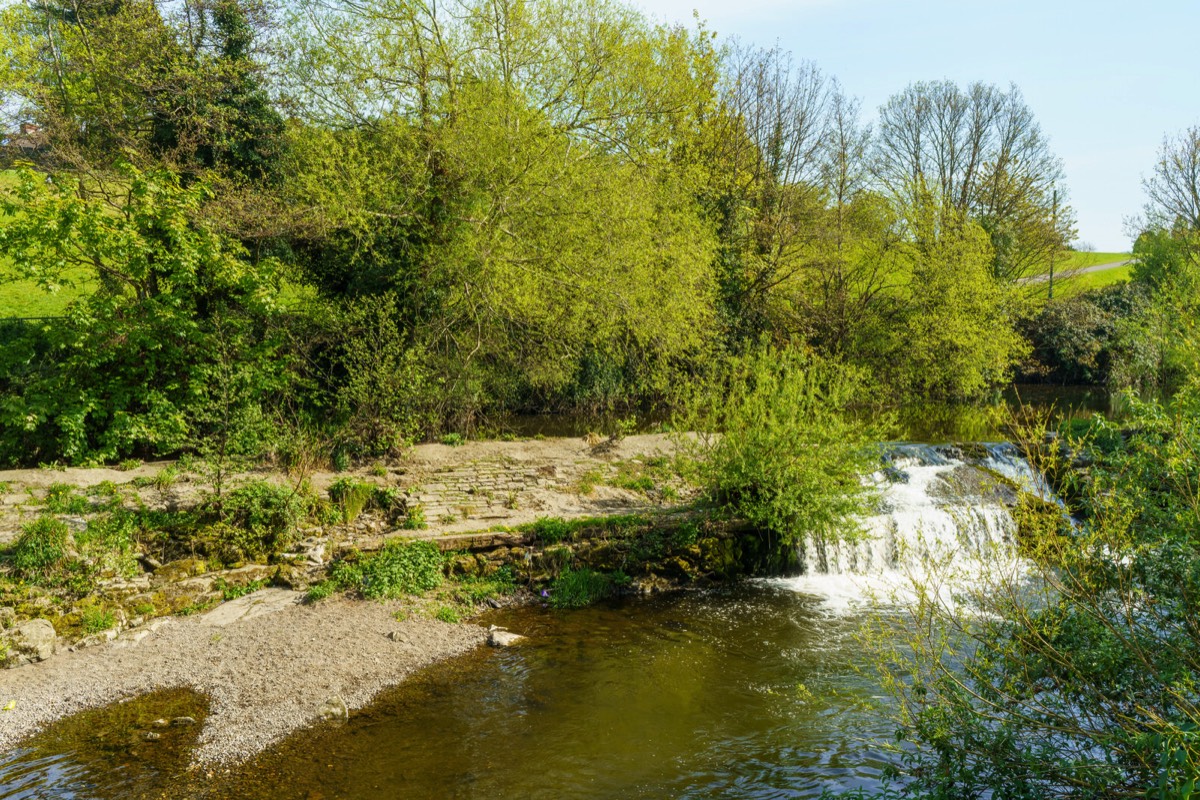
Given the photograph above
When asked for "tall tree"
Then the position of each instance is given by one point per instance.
(980, 152)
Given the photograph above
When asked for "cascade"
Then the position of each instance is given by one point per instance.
(947, 508)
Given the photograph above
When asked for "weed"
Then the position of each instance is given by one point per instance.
(583, 587)
(447, 519)
(129, 464)
(96, 620)
(5, 487)
(414, 520)
(232, 592)
(145, 609)
(400, 615)
(41, 549)
(454, 439)
(61, 499)
(351, 496)
(320, 591)
(400, 568)
(549, 530)
(378, 470)
(512, 501)
(448, 614)
(588, 481)
(165, 479)
(475, 589)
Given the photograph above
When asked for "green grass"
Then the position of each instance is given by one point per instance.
(1095, 280)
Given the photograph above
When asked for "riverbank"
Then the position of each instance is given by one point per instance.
(268, 665)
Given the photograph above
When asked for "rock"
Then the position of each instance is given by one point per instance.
(334, 708)
(35, 640)
(151, 736)
(499, 637)
(161, 723)
(149, 563)
(180, 722)
(399, 636)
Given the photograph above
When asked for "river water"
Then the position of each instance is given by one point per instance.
(757, 690)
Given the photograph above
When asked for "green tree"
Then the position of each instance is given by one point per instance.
(125, 371)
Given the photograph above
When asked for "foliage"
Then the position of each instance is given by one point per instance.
(257, 520)
(550, 530)
(135, 366)
(447, 614)
(780, 447)
(400, 568)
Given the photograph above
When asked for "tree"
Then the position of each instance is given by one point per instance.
(175, 86)
(980, 152)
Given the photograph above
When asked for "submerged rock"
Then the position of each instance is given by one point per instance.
(334, 708)
(499, 637)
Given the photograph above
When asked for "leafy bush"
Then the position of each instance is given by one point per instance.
(583, 587)
(781, 448)
(41, 550)
(259, 519)
(448, 614)
(400, 568)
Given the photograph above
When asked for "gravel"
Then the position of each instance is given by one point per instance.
(266, 676)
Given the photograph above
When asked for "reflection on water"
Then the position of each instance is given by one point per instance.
(925, 423)
(751, 691)
(128, 750)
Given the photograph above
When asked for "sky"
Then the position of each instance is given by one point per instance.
(1105, 79)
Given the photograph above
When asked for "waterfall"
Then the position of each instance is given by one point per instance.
(939, 507)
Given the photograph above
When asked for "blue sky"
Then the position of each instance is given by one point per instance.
(1105, 79)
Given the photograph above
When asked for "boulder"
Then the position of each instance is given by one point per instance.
(33, 640)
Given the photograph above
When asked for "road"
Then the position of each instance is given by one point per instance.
(1070, 273)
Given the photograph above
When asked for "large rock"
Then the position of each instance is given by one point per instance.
(33, 640)
(499, 637)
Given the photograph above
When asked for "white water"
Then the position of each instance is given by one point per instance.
(944, 520)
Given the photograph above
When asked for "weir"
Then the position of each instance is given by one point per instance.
(948, 508)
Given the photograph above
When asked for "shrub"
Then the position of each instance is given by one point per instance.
(781, 447)
(454, 440)
(260, 518)
(448, 614)
(1091, 432)
(41, 550)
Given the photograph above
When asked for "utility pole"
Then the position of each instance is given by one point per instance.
(1054, 248)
